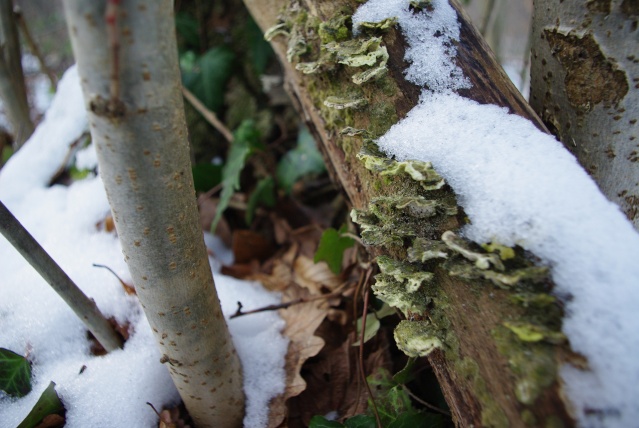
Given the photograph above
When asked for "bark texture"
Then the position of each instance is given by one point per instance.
(485, 372)
(137, 124)
(585, 86)
(12, 88)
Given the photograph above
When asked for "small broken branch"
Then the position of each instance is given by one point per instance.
(127, 288)
(424, 403)
(207, 114)
(85, 308)
(239, 312)
(33, 47)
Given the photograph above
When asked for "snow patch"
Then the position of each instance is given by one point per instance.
(111, 390)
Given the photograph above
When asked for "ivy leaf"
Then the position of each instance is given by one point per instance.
(49, 403)
(405, 375)
(7, 152)
(321, 422)
(246, 140)
(207, 76)
(186, 29)
(206, 176)
(371, 329)
(15, 373)
(263, 194)
(361, 421)
(417, 419)
(300, 162)
(259, 50)
(331, 248)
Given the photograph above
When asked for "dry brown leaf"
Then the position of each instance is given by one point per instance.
(249, 245)
(314, 276)
(301, 322)
(106, 225)
(52, 421)
(281, 229)
(334, 382)
(207, 208)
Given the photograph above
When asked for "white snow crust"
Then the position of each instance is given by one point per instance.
(113, 389)
(520, 186)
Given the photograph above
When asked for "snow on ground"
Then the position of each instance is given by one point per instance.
(112, 390)
(520, 186)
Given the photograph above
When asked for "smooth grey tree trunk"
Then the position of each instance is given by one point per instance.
(585, 86)
(128, 65)
(12, 88)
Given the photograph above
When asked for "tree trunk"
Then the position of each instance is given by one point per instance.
(584, 84)
(489, 378)
(127, 61)
(12, 88)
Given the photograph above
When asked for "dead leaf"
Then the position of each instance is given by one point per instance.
(107, 224)
(123, 330)
(333, 379)
(207, 208)
(173, 417)
(314, 276)
(301, 322)
(249, 245)
(52, 421)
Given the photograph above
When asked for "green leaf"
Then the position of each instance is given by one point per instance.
(15, 373)
(361, 421)
(417, 419)
(206, 176)
(321, 422)
(208, 76)
(78, 174)
(405, 375)
(188, 35)
(399, 400)
(331, 248)
(302, 161)
(49, 403)
(246, 140)
(264, 194)
(385, 311)
(259, 50)
(392, 400)
(7, 152)
(371, 329)
(188, 66)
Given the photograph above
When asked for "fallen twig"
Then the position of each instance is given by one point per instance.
(207, 114)
(33, 47)
(127, 288)
(426, 404)
(239, 312)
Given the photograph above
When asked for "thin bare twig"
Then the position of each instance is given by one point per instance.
(426, 404)
(207, 114)
(33, 47)
(127, 288)
(239, 312)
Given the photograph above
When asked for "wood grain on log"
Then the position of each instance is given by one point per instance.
(480, 378)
